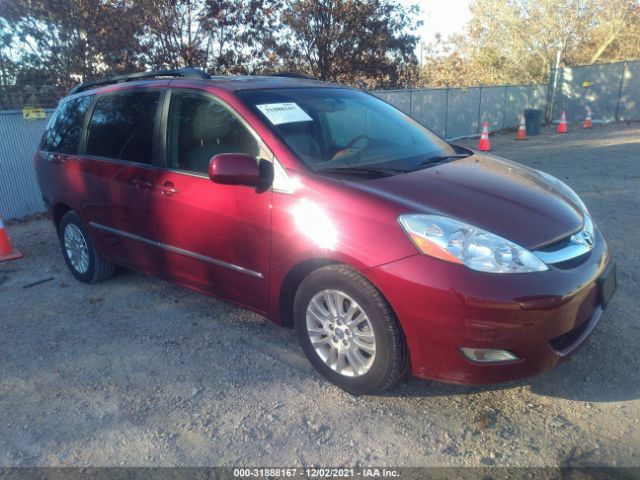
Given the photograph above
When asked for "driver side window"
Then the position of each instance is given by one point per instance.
(199, 128)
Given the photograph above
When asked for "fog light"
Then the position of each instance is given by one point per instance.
(487, 355)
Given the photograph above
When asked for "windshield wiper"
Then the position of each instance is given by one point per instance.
(434, 160)
(362, 170)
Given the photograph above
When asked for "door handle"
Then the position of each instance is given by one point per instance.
(168, 189)
(141, 183)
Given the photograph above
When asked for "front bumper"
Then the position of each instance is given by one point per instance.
(541, 317)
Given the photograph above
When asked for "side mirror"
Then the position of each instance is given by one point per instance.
(240, 169)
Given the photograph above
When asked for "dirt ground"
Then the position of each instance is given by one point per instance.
(135, 371)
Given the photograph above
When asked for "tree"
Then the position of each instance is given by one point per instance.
(62, 42)
(80, 39)
(517, 41)
(444, 64)
(218, 35)
(351, 40)
(617, 34)
(8, 65)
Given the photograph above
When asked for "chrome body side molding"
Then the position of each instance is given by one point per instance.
(180, 251)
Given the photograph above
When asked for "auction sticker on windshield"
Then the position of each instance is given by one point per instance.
(278, 113)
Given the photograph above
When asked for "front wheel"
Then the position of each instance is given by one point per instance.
(348, 331)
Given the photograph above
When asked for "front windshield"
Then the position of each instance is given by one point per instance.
(335, 128)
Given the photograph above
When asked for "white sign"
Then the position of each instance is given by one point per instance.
(279, 113)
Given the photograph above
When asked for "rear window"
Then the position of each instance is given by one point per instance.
(65, 127)
(122, 126)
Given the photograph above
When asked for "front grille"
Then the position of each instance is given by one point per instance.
(570, 251)
(572, 262)
(556, 246)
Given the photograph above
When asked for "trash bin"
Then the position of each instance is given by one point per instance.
(533, 119)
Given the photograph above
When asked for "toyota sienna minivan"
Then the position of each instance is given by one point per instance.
(388, 249)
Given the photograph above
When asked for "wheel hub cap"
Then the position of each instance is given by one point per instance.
(76, 248)
(341, 333)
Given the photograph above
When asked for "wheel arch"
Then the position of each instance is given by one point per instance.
(298, 272)
(292, 281)
(350, 277)
(58, 212)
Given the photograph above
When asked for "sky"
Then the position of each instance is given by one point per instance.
(441, 16)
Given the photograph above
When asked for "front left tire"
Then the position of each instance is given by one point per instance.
(348, 331)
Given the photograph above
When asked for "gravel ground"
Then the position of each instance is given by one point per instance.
(135, 371)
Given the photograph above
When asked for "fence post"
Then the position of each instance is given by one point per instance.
(504, 105)
(446, 116)
(552, 91)
(411, 103)
(479, 112)
(624, 73)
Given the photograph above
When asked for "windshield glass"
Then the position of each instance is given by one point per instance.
(334, 128)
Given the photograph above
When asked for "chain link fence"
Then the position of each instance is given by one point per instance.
(459, 112)
(19, 138)
(611, 91)
(29, 91)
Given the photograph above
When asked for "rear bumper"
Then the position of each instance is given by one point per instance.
(541, 317)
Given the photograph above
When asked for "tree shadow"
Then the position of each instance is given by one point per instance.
(608, 89)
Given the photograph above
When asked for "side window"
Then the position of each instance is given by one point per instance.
(63, 134)
(122, 126)
(200, 128)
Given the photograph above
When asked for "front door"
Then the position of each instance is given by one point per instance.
(216, 238)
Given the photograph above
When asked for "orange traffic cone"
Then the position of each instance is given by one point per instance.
(562, 126)
(6, 252)
(484, 145)
(588, 121)
(522, 130)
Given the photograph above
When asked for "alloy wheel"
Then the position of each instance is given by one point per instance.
(76, 248)
(341, 333)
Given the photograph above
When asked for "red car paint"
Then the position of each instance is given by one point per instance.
(234, 169)
(441, 306)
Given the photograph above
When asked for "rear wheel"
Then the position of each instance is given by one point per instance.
(348, 330)
(79, 252)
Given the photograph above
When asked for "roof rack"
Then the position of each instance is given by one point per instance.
(291, 75)
(179, 72)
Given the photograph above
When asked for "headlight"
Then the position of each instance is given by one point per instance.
(458, 242)
(565, 190)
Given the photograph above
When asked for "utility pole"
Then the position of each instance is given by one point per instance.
(555, 82)
(421, 61)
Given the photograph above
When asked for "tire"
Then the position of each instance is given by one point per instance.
(359, 371)
(91, 268)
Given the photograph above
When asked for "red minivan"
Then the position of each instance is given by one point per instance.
(326, 209)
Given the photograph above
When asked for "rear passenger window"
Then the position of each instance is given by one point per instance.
(63, 134)
(122, 126)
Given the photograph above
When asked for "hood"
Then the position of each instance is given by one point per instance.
(500, 196)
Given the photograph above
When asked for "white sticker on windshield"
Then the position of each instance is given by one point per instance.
(279, 113)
